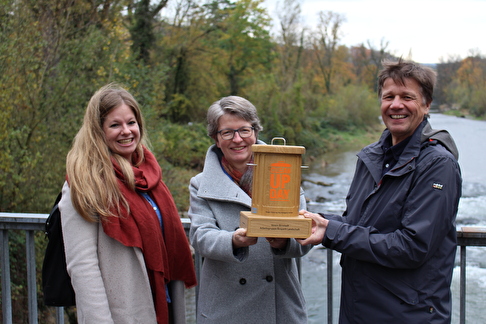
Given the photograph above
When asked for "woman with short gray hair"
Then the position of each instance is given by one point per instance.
(243, 279)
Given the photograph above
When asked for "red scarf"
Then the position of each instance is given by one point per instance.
(166, 258)
(243, 180)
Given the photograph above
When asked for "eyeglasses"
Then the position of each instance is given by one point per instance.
(244, 132)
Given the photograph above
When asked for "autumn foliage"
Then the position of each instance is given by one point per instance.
(177, 58)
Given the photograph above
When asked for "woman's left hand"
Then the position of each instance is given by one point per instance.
(277, 243)
(241, 240)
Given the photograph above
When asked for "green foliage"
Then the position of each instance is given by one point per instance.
(178, 109)
(180, 150)
(49, 73)
(17, 268)
(477, 105)
(352, 107)
(467, 86)
(474, 101)
(177, 180)
(142, 31)
(243, 42)
(181, 145)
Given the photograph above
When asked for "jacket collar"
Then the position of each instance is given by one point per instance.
(215, 184)
(372, 155)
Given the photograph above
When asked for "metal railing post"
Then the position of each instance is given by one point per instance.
(462, 287)
(329, 287)
(31, 276)
(60, 315)
(6, 290)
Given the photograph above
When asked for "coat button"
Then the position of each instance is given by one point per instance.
(242, 281)
(269, 278)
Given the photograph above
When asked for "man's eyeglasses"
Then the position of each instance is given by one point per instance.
(244, 132)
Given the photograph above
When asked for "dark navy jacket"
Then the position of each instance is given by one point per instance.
(398, 236)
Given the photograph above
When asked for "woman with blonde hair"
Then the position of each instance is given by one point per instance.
(126, 250)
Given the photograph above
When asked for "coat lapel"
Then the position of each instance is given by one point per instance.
(217, 185)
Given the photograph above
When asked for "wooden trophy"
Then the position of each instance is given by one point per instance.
(276, 193)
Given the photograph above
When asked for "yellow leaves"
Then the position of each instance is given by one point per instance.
(473, 72)
(101, 71)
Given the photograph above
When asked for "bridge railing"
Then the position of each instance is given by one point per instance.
(30, 223)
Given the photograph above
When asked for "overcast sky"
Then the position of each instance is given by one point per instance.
(428, 29)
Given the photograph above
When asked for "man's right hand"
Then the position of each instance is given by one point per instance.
(319, 225)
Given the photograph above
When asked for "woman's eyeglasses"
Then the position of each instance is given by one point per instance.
(244, 132)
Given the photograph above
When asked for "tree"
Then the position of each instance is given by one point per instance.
(446, 81)
(281, 106)
(290, 43)
(325, 42)
(142, 26)
(182, 45)
(368, 62)
(472, 84)
(243, 42)
(47, 76)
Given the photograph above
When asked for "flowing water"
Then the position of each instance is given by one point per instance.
(330, 177)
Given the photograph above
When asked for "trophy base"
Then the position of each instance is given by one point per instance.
(275, 226)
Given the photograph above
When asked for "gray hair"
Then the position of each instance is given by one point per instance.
(236, 106)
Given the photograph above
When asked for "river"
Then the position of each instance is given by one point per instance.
(337, 170)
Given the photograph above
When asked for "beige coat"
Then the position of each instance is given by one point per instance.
(110, 279)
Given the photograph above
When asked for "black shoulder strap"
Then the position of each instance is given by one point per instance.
(53, 210)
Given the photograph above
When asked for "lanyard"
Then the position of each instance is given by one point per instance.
(156, 209)
(159, 216)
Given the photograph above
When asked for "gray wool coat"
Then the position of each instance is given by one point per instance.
(256, 284)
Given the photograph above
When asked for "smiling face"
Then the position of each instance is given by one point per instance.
(237, 150)
(402, 108)
(122, 132)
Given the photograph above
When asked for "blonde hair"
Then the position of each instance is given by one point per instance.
(94, 187)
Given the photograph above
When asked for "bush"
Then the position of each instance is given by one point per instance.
(181, 145)
(353, 106)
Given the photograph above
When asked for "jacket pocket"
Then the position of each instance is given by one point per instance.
(393, 282)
